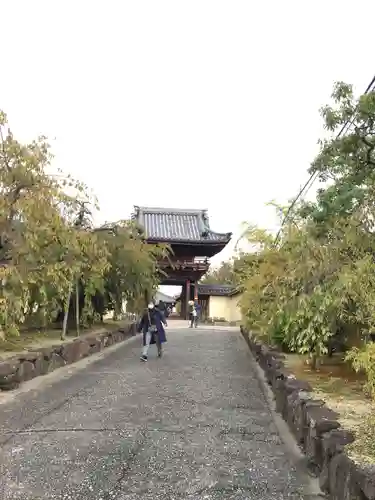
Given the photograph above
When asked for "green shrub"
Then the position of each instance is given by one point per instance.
(277, 331)
(363, 360)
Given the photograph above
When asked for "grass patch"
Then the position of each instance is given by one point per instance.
(45, 338)
(342, 389)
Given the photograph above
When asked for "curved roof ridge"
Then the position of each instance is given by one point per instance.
(219, 234)
(207, 229)
(163, 210)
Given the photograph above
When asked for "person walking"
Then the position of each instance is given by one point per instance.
(152, 325)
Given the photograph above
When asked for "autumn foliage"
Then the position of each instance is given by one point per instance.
(49, 250)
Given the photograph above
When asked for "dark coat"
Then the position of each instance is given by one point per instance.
(198, 308)
(157, 319)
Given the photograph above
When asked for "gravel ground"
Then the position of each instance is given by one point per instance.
(193, 425)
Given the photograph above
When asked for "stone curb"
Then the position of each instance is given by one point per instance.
(36, 362)
(316, 429)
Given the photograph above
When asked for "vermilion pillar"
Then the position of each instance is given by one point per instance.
(195, 291)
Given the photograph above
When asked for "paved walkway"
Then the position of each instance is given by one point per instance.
(194, 425)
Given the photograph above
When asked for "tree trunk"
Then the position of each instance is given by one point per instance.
(66, 314)
(313, 361)
(117, 311)
(330, 350)
(77, 307)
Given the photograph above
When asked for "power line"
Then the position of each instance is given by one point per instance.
(310, 181)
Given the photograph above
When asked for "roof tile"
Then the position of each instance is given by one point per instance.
(208, 289)
(163, 224)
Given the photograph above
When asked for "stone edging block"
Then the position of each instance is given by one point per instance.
(36, 362)
(316, 429)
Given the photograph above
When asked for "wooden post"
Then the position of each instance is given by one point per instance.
(77, 307)
(66, 314)
(182, 302)
(187, 299)
(195, 291)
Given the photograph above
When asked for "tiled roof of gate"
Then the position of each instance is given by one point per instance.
(225, 290)
(217, 289)
(178, 225)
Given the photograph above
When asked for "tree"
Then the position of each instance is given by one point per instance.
(318, 281)
(49, 248)
(33, 231)
(222, 275)
(93, 259)
(346, 161)
(133, 266)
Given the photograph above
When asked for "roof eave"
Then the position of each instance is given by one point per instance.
(215, 290)
(188, 242)
(225, 236)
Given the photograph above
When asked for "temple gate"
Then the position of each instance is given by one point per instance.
(192, 241)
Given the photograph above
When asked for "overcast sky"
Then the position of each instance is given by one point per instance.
(197, 104)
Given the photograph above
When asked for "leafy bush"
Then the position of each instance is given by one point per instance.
(363, 360)
(278, 335)
(317, 279)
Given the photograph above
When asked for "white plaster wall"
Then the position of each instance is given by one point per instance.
(225, 307)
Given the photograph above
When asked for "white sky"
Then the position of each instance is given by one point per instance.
(196, 104)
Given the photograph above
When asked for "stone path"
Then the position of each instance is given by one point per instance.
(194, 425)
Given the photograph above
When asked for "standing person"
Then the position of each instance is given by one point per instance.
(195, 314)
(152, 326)
(193, 318)
(191, 312)
(198, 310)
